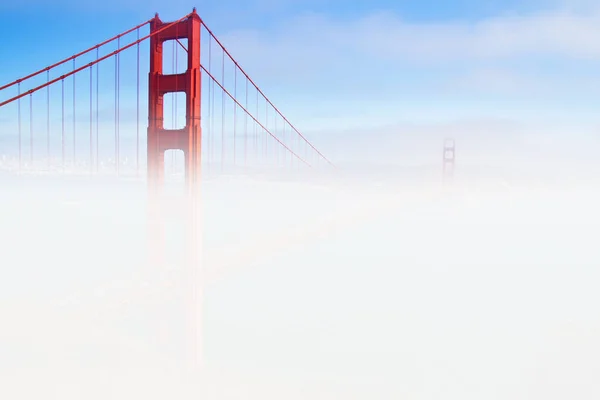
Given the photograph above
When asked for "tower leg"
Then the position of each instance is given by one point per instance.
(188, 139)
(448, 161)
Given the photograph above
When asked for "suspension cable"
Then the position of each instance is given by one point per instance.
(255, 139)
(246, 129)
(212, 124)
(284, 141)
(48, 120)
(62, 84)
(91, 122)
(31, 131)
(267, 125)
(48, 68)
(74, 132)
(223, 115)
(116, 129)
(167, 26)
(19, 116)
(276, 155)
(118, 158)
(137, 137)
(97, 113)
(234, 114)
(174, 96)
(225, 91)
(261, 92)
(210, 105)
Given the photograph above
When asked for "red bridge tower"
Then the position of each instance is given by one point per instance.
(187, 139)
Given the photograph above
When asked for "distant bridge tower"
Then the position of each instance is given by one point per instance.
(448, 160)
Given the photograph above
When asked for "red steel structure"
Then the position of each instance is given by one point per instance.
(53, 92)
(189, 138)
(260, 119)
(60, 105)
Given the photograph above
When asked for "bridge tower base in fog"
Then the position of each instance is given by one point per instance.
(188, 140)
(448, 160)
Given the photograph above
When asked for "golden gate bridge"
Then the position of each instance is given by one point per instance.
(84, 115)
(204, 104)
(121, 107)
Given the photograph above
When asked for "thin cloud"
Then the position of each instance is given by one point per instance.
(386, 36)
(359, 62)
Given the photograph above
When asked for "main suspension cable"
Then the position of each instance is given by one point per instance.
(48, 68)
(225, 91)
(167, 26)
(261, 92)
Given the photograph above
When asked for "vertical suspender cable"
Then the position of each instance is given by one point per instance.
(74, 133)
(116, 117)
(256, 145)
(212, 115)
(246, 129)
(19, 116)
(234, 110)
(223, 114)
(137, 135)
(306, 151)
(48, 118)
(116, 134)
(173, 103)
(62, 83)
(210, 105)
(291, 141)
(31, 130)
(91, 121)
(97, 113)
(283, 140)
(265, 133)
(118, 107)
(175, 95)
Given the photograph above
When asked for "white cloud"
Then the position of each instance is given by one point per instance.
(328, 74)
(561, 34)
(496, 80)
(510, 144)
(386, 36)
(378, 63)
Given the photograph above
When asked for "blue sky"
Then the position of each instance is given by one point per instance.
(379, 68)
